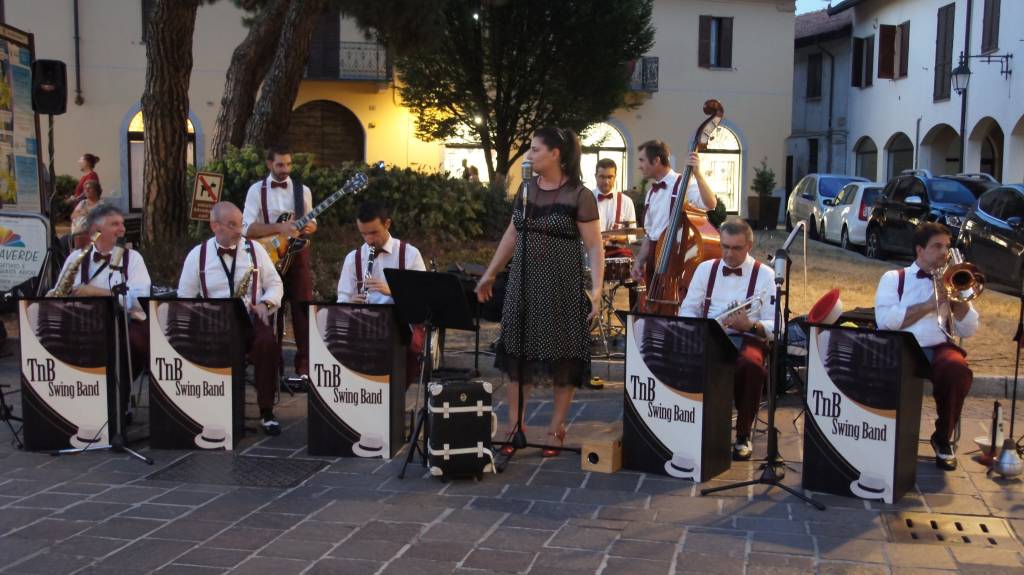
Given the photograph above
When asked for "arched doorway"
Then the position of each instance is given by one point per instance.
(866, 158)
(940, 150)
(987, 142)
(899, 154)
(329, 131)
(722, 164)
(1014, 171)
(137, 157)
(599, 141)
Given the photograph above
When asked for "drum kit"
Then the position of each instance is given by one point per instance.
(618, 263)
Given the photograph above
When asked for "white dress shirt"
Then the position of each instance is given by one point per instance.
(138, 276)
(387, 258)
(659, 204)
(279, 201)
(731, 290)
(606, 211)
(890, 309)
(268, 283)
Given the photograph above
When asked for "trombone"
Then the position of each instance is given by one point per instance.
(961, 282)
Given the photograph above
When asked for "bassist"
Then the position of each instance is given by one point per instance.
(265, 203)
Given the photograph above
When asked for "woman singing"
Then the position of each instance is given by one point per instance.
(554, 347)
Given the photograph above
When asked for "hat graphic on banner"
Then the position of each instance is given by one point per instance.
(212, 437)
(870, 486)
(369, 445)
(681, 466)
(86, 437)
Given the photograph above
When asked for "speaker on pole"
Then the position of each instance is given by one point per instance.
(49, 87)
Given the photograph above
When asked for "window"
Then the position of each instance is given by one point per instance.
(600, 141)
(893, 50)
(918, 189)
(813, 76)
(990, 27)
(722, 165)
(136, 158)
(715, 42)
(812, 155)
(866, 153)
(147, 14)
(863, 62)
(943, 52)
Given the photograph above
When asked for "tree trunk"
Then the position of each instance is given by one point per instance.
(272, 114)
(249, 64)
(165, 112)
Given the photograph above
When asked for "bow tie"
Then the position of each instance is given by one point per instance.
(659, 186)
(603, 197)
(275, 184)
(921, 274)
(98, 257)
(221, 252)
(728, 271)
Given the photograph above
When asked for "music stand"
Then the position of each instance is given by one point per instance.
(435, 300)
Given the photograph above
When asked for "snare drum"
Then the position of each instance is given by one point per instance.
(617, 269)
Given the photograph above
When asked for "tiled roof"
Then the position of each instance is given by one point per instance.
(819, 22)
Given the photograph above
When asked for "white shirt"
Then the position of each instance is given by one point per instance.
(890, 309)
(138, 276)
(731, 290)
(268, 283)
(279, 201)
(387, 258)
(606, 211)
(659, 204)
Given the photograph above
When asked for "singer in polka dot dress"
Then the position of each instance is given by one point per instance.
(545, 334)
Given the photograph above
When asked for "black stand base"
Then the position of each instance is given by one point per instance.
(117, 444)
(519, 441)
(773, 471)
(414, 439)
(7, 417)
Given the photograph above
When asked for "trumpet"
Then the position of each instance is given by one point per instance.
(961, 282)
(750, 305)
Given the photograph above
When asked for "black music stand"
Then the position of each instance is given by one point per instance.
(435, 300)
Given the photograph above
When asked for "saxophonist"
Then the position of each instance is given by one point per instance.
(224, 266)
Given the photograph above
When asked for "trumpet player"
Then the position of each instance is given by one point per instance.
(737, 291)
(221, 267)
(362, 277)
(907, 300)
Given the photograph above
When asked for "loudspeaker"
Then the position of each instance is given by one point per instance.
(49, 87)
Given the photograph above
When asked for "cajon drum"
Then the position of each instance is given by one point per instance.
(603, 451)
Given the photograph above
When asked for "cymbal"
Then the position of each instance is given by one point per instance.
(623, 232)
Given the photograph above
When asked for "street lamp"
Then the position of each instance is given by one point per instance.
(961, 76)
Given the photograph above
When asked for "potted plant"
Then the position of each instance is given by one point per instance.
(763, 206)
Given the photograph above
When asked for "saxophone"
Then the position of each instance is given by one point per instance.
(247, 277)
(67, 281)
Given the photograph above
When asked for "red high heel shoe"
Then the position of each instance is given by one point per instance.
(507, 450)
(552, 451)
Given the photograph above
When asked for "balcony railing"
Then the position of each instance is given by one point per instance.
(645, 75)
(348, 61)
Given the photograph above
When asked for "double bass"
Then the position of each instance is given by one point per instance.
(688, 240)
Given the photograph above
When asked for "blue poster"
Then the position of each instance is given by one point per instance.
(26, 172)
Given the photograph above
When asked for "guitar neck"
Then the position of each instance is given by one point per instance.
(301, 222)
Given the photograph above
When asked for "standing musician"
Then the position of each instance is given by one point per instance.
(355, 285)
(906, 300)
(614, 209)
(265, 202)
(214, 269)
(719, 285)
(654, 165)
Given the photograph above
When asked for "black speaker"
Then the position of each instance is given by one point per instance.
(49, 87)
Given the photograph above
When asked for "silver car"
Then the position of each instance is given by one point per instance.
(807, 200)
(846, 216)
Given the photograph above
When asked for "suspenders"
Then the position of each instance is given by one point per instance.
(714, 275)
(202, 268)
(359, 260)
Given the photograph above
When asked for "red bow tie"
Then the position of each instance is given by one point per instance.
(98, 257)
(221, 252)
(275, 184)
(603, 197)
(728, 271)
(659, 186)
(921, 274)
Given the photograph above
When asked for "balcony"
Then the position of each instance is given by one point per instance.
(362, 61)
(645, 75)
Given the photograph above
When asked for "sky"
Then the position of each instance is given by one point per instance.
(811, 5)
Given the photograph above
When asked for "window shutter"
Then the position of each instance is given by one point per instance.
(904, 49)
(725, 43)
(704, 43)
(857, 72)
(869, 60)
(814, 75)
(943, 52)
(886, 50)
(990, 27)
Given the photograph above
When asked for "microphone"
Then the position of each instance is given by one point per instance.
(779, 261)
(527, 173)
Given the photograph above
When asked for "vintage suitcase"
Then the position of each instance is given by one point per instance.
(461, 426)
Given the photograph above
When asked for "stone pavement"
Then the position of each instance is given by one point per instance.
(99, 513)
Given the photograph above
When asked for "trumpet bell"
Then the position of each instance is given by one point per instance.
(963, 282)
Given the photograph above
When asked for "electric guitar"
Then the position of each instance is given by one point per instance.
(283, 247)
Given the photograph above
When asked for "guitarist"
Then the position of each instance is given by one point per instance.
(266, 201)
(667, 187)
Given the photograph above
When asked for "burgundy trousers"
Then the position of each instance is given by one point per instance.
(138, 344)
(951, 382)
(748, 380)
(264, 354)
(298, 290)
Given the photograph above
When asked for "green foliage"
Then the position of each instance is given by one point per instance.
(61, 211)
(764, 179)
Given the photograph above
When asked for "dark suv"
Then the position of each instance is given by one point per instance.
(913, 197)
(993, 235)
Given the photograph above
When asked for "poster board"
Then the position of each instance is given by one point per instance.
(21, 172)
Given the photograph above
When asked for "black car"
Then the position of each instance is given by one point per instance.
(915, 196)
(992, 237)
(977, 183)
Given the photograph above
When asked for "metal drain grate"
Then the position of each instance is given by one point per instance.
(950, 530)
(242, 470)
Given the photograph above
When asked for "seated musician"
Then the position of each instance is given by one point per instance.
(654, 165)
(719, 285)
(214, 269)
(614, 209)
(906, 300)
(107, 268)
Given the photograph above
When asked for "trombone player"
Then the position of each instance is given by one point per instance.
(907, 300)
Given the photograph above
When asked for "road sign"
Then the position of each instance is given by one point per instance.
(206, 193)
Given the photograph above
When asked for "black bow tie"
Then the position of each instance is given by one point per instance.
(921, 274)
(659, 186)
(221, 252)
(728, 271)
(603, 197)
(98, 257)
(275, 184)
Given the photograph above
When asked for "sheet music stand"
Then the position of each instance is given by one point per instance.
(435, 300)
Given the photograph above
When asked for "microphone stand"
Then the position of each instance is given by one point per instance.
(773, 470)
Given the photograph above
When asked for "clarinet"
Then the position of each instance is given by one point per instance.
(363, 289)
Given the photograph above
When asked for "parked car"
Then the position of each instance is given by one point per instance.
(846, 217)
(913, 197)
(992, 236)
(977, 183)
(807, 200)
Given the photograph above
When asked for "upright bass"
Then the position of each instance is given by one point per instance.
(688, 240)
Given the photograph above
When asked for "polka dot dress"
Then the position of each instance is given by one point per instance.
(555, 348)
